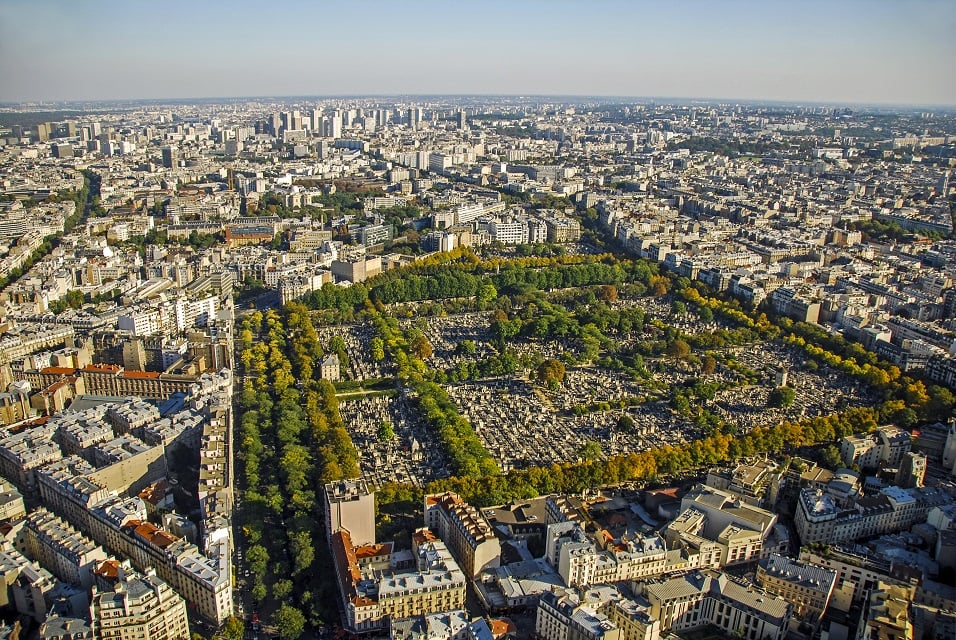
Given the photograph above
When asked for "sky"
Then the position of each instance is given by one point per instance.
(834, 51)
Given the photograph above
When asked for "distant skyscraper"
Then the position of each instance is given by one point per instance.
(333, 126)
(415, 117)
(275, 124)
(170, 157)
(106, 146)
(462, 119)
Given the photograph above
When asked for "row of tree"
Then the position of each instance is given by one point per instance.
(292, 440)
(467, 454)
(575, 477)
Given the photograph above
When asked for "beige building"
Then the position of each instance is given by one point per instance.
(466, 532)
(350, 506)
(808, 587)
(855, 574)
(330, 368)
(634, 620)
(562, 616)
(53, 543)
(720, 527)
(139, 608)
(702, 598)
(11, 503)
(371, 597)
(886, 615)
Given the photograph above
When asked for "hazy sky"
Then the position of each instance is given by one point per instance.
(888, 51)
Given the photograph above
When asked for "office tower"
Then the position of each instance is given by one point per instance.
(170, 157)
(275, 124)
(462, 119)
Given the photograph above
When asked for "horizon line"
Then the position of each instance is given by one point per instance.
(706, 100)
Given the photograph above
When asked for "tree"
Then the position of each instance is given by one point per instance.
(336, 344)
(678, 349)
(289, 622)
(782, 397)
(421, 348)
(551, 372)
(377, 349)
(486, 295)
(708, 365)
(830, 457)
(590, 450)
(281, 589)
(625, 423)
(234, 628)
(467, 347)
(385, 431)
(607, 293)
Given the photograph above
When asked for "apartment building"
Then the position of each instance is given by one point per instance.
(886, 613)
(465, 530)
(807, 586)
(562, 616)
(885, 447)
(141, 607)
(22, 453)
(856, 574)
(820, 518)
(371, 597)
(702, 598)
(11, 503)
(715, 521)
(55, 544)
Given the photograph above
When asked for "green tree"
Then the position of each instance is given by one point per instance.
(281, 589)
(377, 349)
(625, 423)
(385, 431)
(467, 347)
(487, 294)
(782, 397)
(830, 457)
(234, 628)
(289, 622)
(590, 451)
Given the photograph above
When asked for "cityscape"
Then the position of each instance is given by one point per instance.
(515, 359)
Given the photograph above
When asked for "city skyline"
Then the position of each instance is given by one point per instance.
(847, 52)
